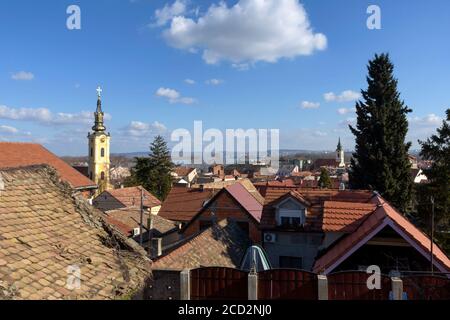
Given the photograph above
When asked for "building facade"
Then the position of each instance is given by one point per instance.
(99, 140)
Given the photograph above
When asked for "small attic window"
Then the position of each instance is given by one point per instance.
(290, 213)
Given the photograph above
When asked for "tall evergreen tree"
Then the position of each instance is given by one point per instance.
(380, 160)
(153, 172)
(324, 179)
(437, 149)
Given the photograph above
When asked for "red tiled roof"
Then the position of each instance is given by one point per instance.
(132, 196)
(314, 197)
(319, 163)
(344, 216)
(246, 200)
(182, 171)
(384, 214)
(182, 204)
(13, 154)
(46, 228)
(126, 219)
(221, 245)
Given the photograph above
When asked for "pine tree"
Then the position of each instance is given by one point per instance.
(324, 179)
(380, 160)
(160, 167)
(437, 149)
(153, 172)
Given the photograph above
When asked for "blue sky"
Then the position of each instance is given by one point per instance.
(246, 76)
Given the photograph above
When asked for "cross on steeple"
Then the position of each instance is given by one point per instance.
(99, 92)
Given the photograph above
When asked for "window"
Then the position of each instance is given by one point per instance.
(102, 152)
(102, 176)
(291, 214)
(291, 218)
(92, 152)
(290, 262)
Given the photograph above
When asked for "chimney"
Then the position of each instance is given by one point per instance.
(156, 247)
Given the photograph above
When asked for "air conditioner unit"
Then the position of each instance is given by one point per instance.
(270, 237)
(136, 232)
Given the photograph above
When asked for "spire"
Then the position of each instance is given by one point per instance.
(339, 146)
(99, 126)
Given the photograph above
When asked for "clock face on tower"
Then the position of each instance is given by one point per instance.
(102, 140)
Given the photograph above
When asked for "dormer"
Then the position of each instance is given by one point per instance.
(291, 211)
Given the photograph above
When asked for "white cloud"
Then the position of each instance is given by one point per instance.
(45, 116)
(214, 82)
(241, 66)
(343, 111)
(347, 122)
(319, 133)
(247, 32)
(167, 13)
(345, 96)
(8, 129)
(23, 76)
(310, 105)
(189, 81)
(142, 129)
(174, 96)
(428, 120)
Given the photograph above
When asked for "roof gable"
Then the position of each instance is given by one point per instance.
(383, 215)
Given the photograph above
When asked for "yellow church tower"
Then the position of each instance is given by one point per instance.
(99, 149)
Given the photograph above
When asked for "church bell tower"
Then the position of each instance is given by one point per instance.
(99, 149)
(340, 155)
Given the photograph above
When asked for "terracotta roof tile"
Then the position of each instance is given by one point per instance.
(182, 204)
(246, 200)
(314, 198)
(344, 216)
(223, 244)
(45, 228)
(383, 213)
(14, 154)
(182, 171)
(129, 197)
(126, 219)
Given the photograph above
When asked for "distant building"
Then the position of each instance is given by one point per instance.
(119, 173)
(418, 176)
(337, 163)
(340, 155)
(184, 175)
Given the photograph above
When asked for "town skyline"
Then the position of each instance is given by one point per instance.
(155, 83)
